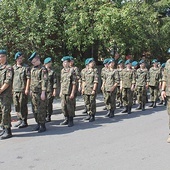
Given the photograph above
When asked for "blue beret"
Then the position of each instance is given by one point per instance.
(32, 56)
(163, 65)
(120, 61)
(111, 60)
(18, 54)
(47, 60)
(90, 60)
(86, 61)
(71, 58)
(141, 61)
(168, 51)
(3, 52)
(106, 60)
(154, 61)
(134, 63)
(127, 62)
(66, 58)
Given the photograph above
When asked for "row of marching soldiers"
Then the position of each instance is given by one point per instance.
(19, 81)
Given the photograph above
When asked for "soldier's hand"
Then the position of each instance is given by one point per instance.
(93, 92)
(43, 95)
(163, 95)
(26, 92)
(71, 96)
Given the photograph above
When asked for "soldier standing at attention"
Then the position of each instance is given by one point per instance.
(120, 67)
(89, 89)
(6, 76)
(21, 84)
(154, 82)
(68, 91)
(38, 88)
(111, 81)
(142, 83)
(127, 85)
(165, 88)
(82, 73)
(103, 72)
(51, 87)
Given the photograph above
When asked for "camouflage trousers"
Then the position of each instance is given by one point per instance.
(39, 107)
(50, 99)
(111, 100)
(67, 106)
(119, 95)
(104, 95)
(5, 110)
(90, 102)
(127, 96)
(153, 93)
(20, 101)
(168, 108)
(141, 95)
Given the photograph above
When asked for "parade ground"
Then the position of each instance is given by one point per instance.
(125, 142)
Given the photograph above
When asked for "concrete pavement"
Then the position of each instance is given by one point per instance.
(125, 142)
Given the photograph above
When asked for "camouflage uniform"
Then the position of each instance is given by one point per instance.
(142, 77)
(128, 79)
(51, 85)
(6, 76)
(68, 79)
(20, 99)
(111, 77)
(89, 78)
(39, 78)
(155, 79)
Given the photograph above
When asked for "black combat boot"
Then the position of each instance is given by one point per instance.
(108, 113)
(23, 124)
(70, 121)
(161, 102)
(105, 108)
(7, 134)
(85, 110)
(151, 105)
(125, 109)
(112, 114)
(88, 117)
(139, 107)
(19, 122)
(48, 118)
(42, 128)
(143, 107)
(129, 109)
(118, 104)
(2, 131)
(165, 102)
(92, 118)
(121, 105)
(65, 122)
(154, 104)
(37, 127)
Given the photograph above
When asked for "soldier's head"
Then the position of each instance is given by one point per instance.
(155, 62)
(91, 63)
(18, 58)
(111, 63)
(35, 59)
(66, 61)
(142, 64)
(71, 61)
(105, 62)
(3, 57)
(48, 62)
(128, 64)
(120, 64)
(135, 64)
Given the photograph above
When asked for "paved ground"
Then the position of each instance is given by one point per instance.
(126, 142)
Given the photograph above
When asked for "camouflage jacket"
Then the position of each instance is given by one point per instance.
(89, 78)
(39, 78)
(68, 78)
(21, 74)
(111, 78)
(166, 77)
(52, 80)
(142, 77)
(6, 76)
(155, 76)
(128, 78)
